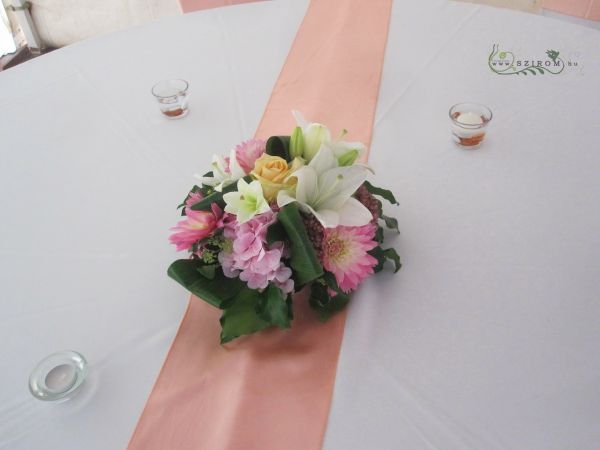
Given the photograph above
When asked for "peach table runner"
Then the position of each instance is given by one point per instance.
(272, 391)
(588, 9)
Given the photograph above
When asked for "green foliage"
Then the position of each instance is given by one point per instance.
(324, 304)
(384, 193)
(383, 255)
(275, 233)
(379, 235)
(304, 260)
(279, 146)
(218, 291)
(241, 318)
(273, 308)
(254, 311)
(390, 222)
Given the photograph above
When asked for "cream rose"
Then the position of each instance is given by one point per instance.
(273, 173)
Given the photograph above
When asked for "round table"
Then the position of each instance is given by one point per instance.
(486, 339)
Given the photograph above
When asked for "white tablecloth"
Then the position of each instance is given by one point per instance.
(486, 339)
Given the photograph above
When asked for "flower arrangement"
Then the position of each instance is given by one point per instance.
(278, 216)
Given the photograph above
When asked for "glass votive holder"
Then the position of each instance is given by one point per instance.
(58, 376)
(469, 123)
(172, 98)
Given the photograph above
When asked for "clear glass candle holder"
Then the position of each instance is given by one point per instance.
(172, 97)
(469, 122)
(58, 376)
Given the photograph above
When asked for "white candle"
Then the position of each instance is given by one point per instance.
(469, 118)
(61, 378)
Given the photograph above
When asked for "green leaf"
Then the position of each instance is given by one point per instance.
(379, 255)
(217, 292)
(279, 146)
(241, 317)
(392, 255)
(208, 271)
(379, 235)
(304, 260)
(383, 255)
(217, 197)
(384, 193)
(296, 143)
(273, 308)
(275, 233)
(324, 304)
(390, 222)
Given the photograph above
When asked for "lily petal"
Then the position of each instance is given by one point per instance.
(324, 159)
(284, 198)
(327, 217)
(346, 181)
(306, 188)
(354, 214)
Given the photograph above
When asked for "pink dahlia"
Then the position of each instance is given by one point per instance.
(196, 225)
(345, 254)
(248, 152)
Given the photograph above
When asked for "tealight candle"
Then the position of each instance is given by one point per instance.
(58, 376)
(61, 378)
(469, 121)
(172, 98)
(469, 118)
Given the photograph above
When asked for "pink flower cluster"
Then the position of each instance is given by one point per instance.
(252, 259)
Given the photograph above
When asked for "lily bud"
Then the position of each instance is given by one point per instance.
(297, 143)
(315, 134)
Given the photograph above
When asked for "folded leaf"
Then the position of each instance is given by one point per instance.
(275, 233)
(218, 292)
(304, 260)
(279, 146)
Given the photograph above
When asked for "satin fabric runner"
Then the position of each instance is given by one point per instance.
(587, 9)
(272, 390)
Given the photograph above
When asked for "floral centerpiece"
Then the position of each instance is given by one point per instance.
(279, 216)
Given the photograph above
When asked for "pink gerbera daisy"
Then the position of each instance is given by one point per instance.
(345, 254)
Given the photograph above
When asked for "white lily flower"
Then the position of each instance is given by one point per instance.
(316, 135)
(325, 190)
(224, 172)
(247, 201)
